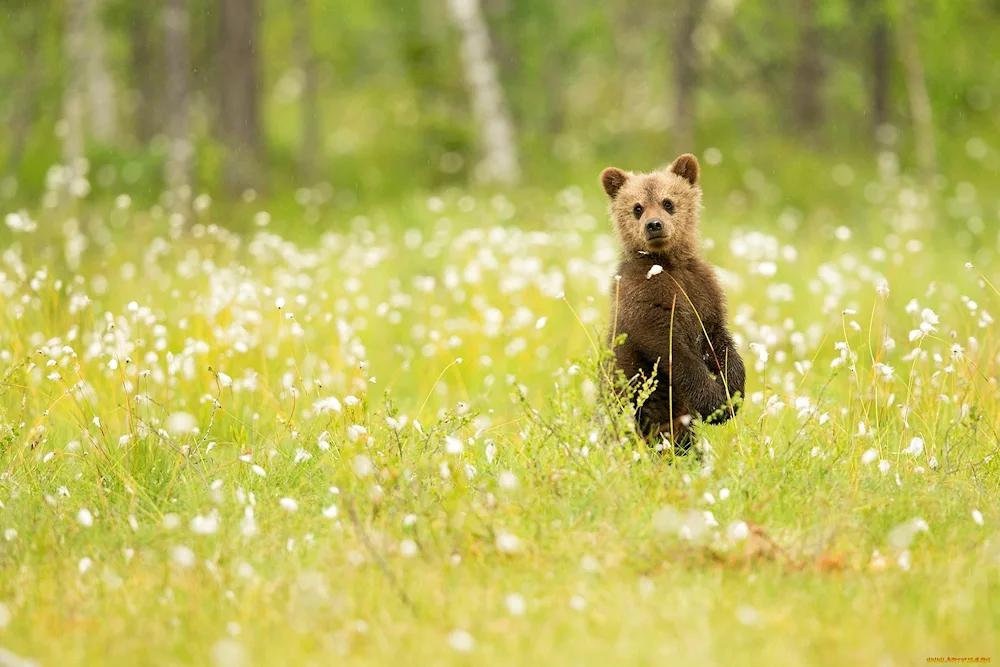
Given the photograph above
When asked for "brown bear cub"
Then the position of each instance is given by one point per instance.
(668, 302)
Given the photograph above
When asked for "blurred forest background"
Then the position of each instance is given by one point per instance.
(799, 103)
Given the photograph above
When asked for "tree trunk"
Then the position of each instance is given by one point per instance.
(809, 72)
(311, 140)
(29, 104)
(916, 86)
(176, 22)
(144, 74)
(73, 103)
(685, 57)
(881, 69)
(555, 99)
(101, 96)
(496, 131)
(239, 113)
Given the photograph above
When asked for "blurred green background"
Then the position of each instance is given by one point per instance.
(356, 103)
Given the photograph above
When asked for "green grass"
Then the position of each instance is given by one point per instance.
(817, 556)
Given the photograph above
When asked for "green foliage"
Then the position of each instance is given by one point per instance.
(588, 84)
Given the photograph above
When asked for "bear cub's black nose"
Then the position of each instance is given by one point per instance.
(654, 226)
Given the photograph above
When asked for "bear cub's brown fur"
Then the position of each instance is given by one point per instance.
(668, 302)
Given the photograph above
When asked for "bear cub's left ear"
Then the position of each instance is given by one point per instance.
(686, 166)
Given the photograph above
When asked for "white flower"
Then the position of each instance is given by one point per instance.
(248, 525)
(747, 615)
(288, 504)
(977, 516)
(225, 380)
(183, 556)
(20, 222)
(738, 531)
(655, 270)
(257, 470)
(515, 604)
(408, 548)
(916, 447)
(902, 536)
(883, 466)
(957, 352)
(363, 466)
(869, 457)
(461, 641)
(453, 445)
(205, 525)
(324, 405)
(180, 423)
(877, 563)
(330, 512)
(507, 480)
(85, 518)
(507, 543)
(760, 351)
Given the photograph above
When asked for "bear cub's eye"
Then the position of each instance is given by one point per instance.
(668, 206)
(637, 211)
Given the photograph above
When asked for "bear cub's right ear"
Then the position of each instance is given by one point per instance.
(613, 179)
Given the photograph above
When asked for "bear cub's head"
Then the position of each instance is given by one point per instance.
(656, 213)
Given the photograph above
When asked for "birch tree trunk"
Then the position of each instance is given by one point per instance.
(145, 65)
(176, 23)
(239, 99)
(880, 75)
(101, 96)
(916, 87)
(496, 131)
(73, 103)
(685, 59)
(311, 141)
(809, 73)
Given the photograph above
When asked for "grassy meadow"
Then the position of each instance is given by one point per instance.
(308, 437)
